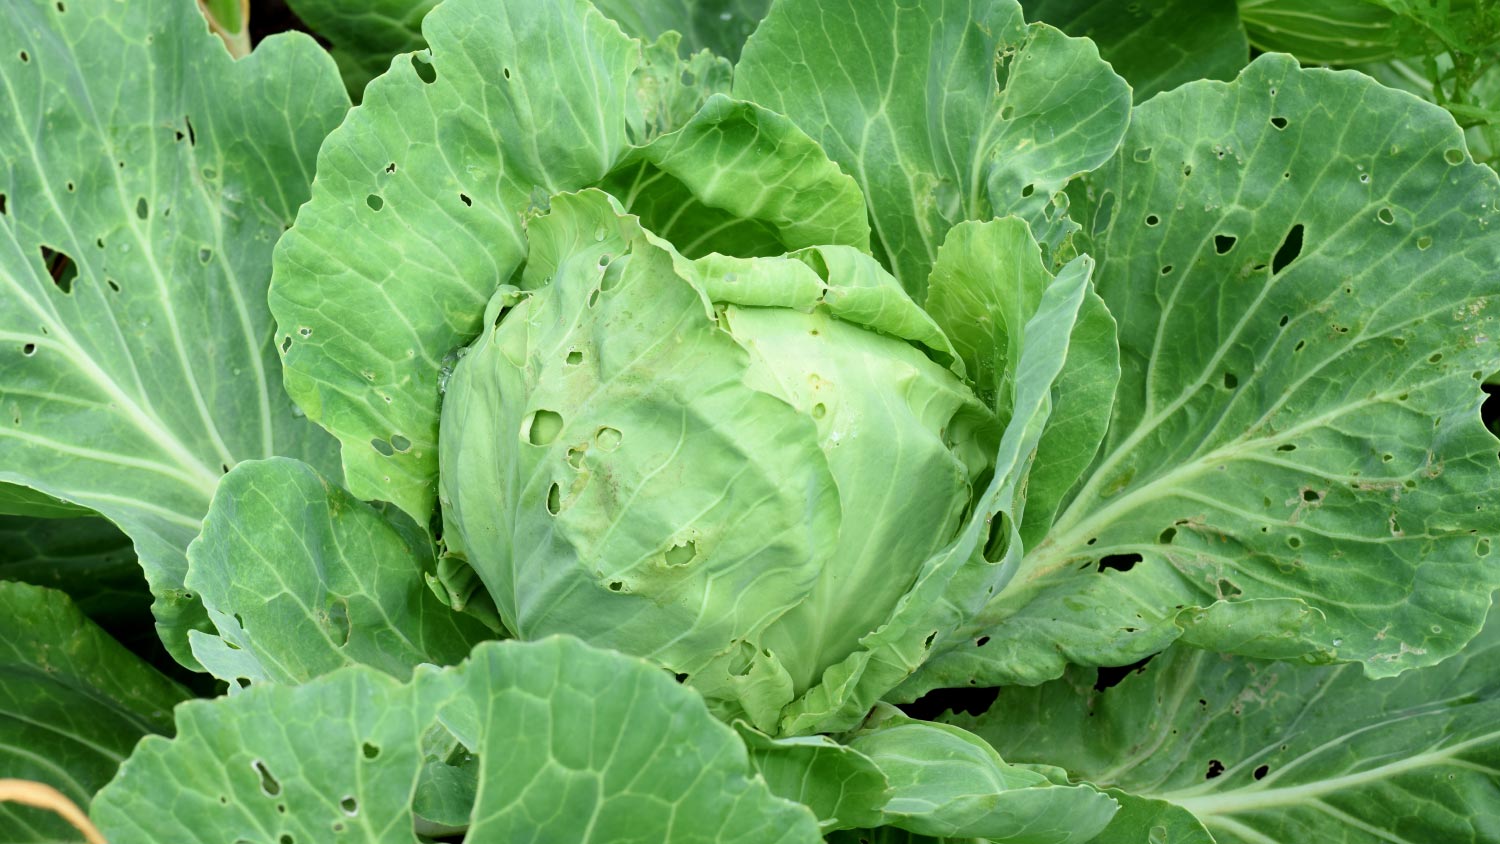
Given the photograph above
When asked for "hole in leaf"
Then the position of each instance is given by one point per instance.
(1109, 676)
(1435, 357)
(681, 555)
(464, 198)
(607, 438)
(423, 66)
(29, 349)
(1152, 219)
(1311, 495)
(375, 202)
(1482, 547)
(113, 285)
(1187, 169)
(542, 427)
(1291, 247)
(1287, 447)
(1364, 178)
(142, 209)
(205, 255)
(1215, 768)
(574, 357)
(971, 701)
(1223, 243)
(1301, 344)
(2, 205)
(382, 446)
(1260, 772)
(1278, 122)
(1167, 270)
(616, 586)
(61, 269)
(1028, 191)
(1285, 318)
(1384, 215)
(1424, 243)
(390, 168)
(399, 442)
(554, 499)
(1118, 562)
(594, 298)
(1454, 156)
(349, 805)
(1231, 381)
(25, 57)
(1143, 155)
(370, 751)
(981, 641)
(575, 456)
(286, 344)
(268, 783)
(1294, 541)
(505, 72)
(819, 411)
(1167, 535)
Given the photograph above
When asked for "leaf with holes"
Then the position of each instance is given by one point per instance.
(942, 111)
(135, 243)
(1295, 465)
(1265, 751)
(573, 744)
(300, 578)
(419, 212)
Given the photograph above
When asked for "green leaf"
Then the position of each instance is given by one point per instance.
(1332, 32)
(1264, 751)
(301, 578)
(135, 345)
(89, 559)
(365, 34)
(839, 784)
(942, 111)
(1295, 463)
(25, 501)
(948, 782)
(987, 282)
(720, 26)
(418, 215)
(73, 703)
(573, 743)
(1156, 45)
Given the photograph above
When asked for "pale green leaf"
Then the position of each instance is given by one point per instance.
(1296, 463)
(573, 744)
(301, 578)
(1264, 751)
(839, 784)
(147, 176)
(720, 26)
(942, 111)
(73, 703)
(1155, 44)
(418, 214)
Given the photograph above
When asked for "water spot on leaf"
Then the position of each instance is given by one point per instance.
(541, 427)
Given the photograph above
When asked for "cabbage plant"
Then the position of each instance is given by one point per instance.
(795, 421)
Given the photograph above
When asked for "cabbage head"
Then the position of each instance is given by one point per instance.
(733, 466)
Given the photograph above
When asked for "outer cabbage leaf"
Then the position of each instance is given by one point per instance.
(1295, 464)
(1333, 31)
(89, 559)
(572, 744)
(417, 217)
(301, 578)
(839, 784)
(73, 702)
(942, 111)
(135, 245)
(1262, 751)
(1155, 44)
(24, 501)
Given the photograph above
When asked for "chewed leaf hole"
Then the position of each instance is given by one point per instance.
(1143, 154)
(1152, 219)
(1260, 772)
(541, 427)
(1278, 122)
(575, 456)
(1231, 381)
(29, 349)
(554, 499)
(1167, 535)
(349, 805)
(1385, 216)
(370, 751)
(142, 208)
(205, 255)
(819, 410)
(1454, 156)
(1291, 247)
(423, 66)
(998, 541)
(1028, 191)
(1118, 562)
(574, 357)
(1223, 243)
(681, 554)
(1311, 496)
(608, 439)
(616, 586)
(400, 443)
(375, 202)
(1424, 243)
(1482, 547)
(1167, 270)
(382, 446)
(268, 783)
(1109, 676)
(61, 268)
(1215, 768)
(1294, 542)
(464, 198)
